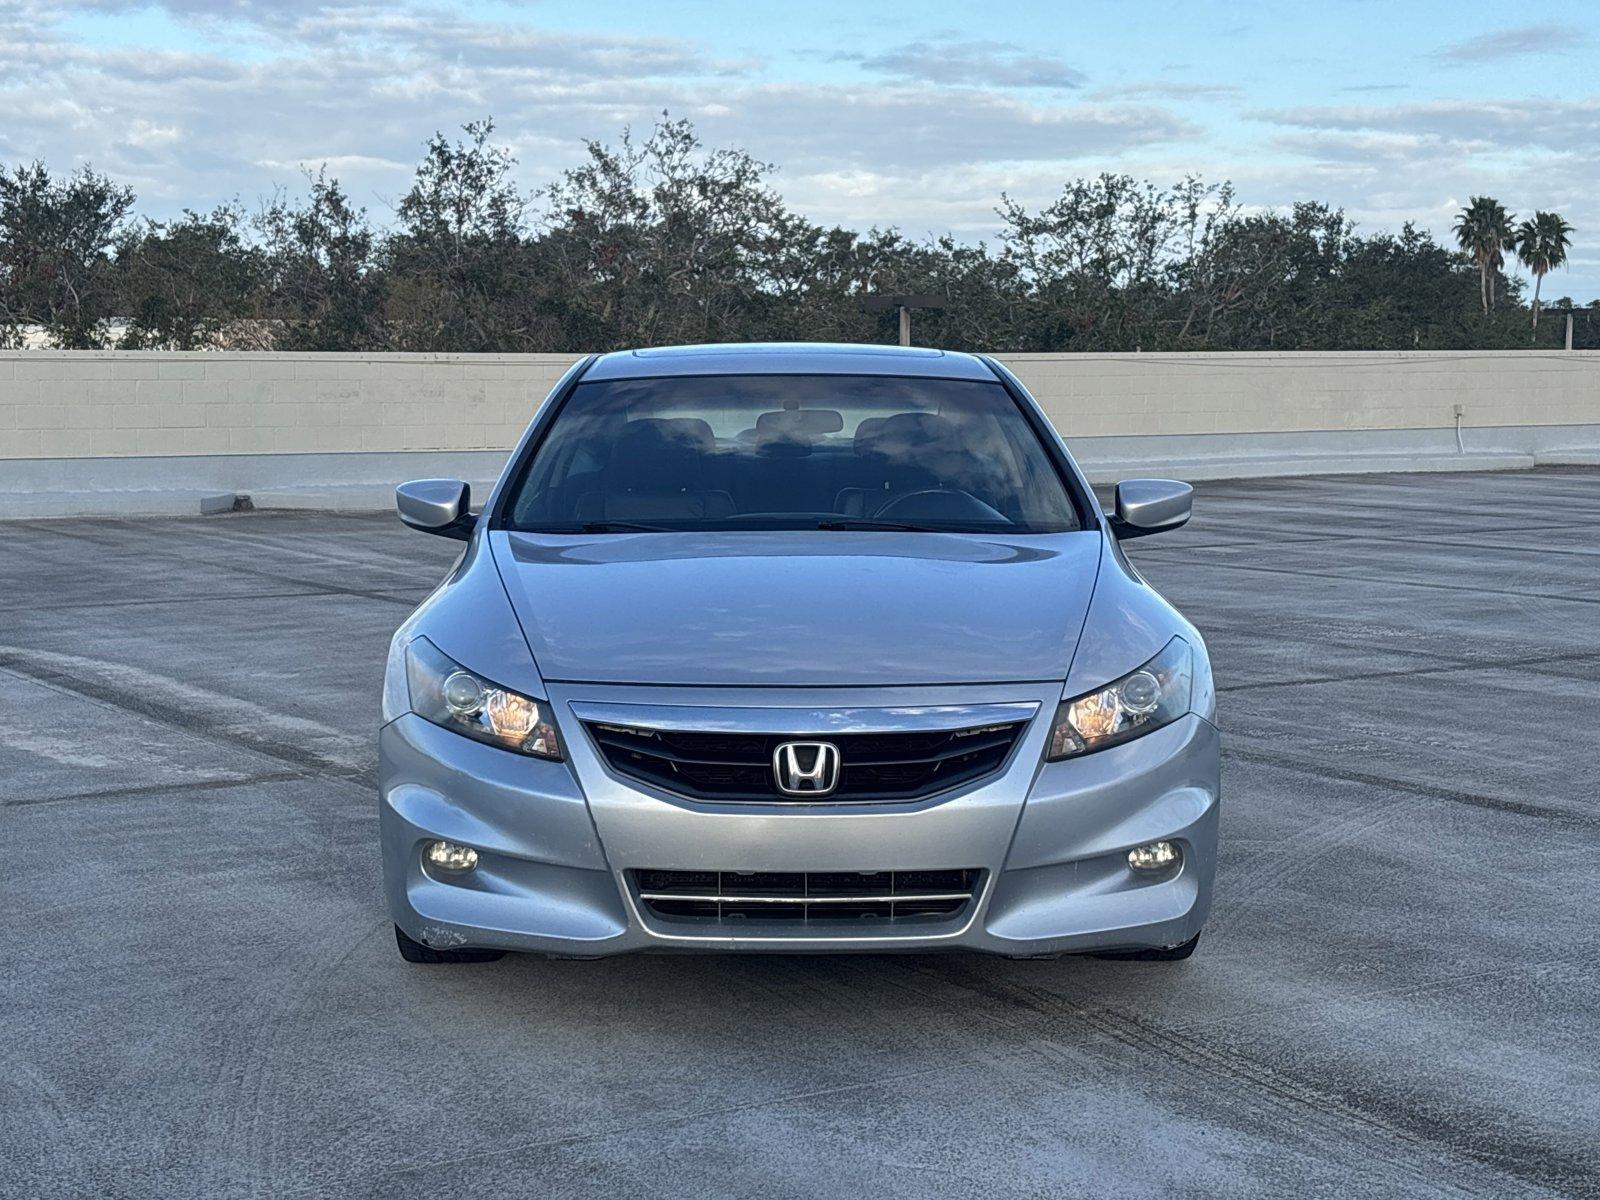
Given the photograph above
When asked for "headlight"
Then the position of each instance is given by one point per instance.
(1156, 694)
(446, 693)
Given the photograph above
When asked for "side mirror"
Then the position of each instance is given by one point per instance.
(1146, 506)
(436, 506)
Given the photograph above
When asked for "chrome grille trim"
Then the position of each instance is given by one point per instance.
(737, 899)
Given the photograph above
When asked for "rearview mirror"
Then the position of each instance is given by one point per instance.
(1146, 506)
(436, 506)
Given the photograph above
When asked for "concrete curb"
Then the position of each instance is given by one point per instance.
(1276, 466)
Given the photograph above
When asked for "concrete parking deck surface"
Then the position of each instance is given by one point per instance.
(1397, 993)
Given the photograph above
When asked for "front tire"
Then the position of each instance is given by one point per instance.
(414, 951)
(1155, 954)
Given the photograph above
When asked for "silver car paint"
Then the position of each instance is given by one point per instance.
(1153, 505)
(800, 358)
(557, 840)
(748, 609)
(431, 504)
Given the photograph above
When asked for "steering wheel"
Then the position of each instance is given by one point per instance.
(940, 504)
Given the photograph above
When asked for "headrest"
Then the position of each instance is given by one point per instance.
(690, 430)
(660, 454)
(928, 446)
(915, 429)
(684, 433)
(867, 434)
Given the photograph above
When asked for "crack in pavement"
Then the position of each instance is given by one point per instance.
(1322, 770)
(208, 598)
(1473, 589)
(1367, 996)
(1443, 669)
(621, 1129)
(382, 595)
(217, 718)
(1371, 1108)
(1137, 551)
(157, 789)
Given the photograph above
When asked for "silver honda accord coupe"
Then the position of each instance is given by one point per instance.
(796, 648)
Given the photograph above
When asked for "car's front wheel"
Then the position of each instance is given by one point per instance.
(414, 951)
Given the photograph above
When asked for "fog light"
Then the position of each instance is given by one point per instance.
(1157, 856)
(448, 856)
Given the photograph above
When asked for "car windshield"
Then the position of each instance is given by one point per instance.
(791, 452)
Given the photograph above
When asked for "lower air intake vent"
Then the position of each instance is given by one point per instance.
(810, 896)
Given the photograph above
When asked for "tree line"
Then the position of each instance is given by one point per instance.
(659, 240)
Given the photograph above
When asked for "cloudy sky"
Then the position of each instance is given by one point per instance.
(916, 115)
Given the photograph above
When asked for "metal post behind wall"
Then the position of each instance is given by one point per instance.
(883, 302)
(905, 328)
(1569, 329)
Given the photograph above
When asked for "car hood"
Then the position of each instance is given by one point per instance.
(814, 609)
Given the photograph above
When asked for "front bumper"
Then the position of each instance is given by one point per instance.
(559, 843)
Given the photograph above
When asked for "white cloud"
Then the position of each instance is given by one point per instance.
(919, 127)
(926, 137)
(1547, 38)
(337, 164)
(1160, 89)
(950, 59)
(1419, 162)
(148, 136)
(1550, 124)
(361, 89)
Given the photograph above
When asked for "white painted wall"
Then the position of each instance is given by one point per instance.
(129, 431)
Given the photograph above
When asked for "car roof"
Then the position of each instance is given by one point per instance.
(788, 358)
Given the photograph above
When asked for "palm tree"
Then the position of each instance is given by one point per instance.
(1483, 230)
(1542, 243)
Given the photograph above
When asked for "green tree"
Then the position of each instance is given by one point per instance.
(1406, 292)
(1542, 242)
(1280, 275)
(1483, 230)
(461, 273)
(187, 284)
(662, 241)
(322, 268)
(1095, 259)
(55, 241)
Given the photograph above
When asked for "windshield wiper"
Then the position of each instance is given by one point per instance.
(862, 523)
(839, 523)
(607, 527)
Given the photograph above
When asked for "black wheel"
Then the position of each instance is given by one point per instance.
(414, 951)
(1154, 954)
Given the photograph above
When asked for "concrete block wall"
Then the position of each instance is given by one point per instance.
(1149, 395)
(158, 432)
(93, 404)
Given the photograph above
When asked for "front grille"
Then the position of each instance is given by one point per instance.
(898, 765)
(810, 896)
